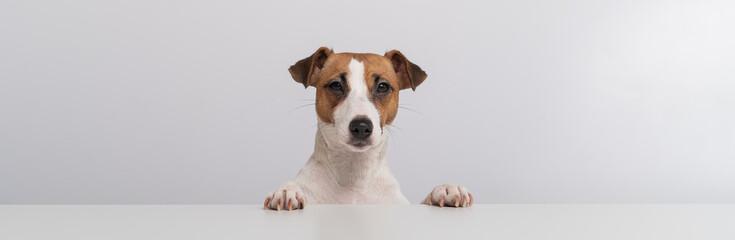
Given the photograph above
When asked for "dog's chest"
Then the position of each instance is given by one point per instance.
(341, 195)
(321, 188)
(330, 178)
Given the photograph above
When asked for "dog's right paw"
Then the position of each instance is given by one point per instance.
(287, 196)
(449, 194)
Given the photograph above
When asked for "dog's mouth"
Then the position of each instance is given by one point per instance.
(359, 144)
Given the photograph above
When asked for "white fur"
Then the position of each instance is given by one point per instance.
(356, 104)
(339, 173)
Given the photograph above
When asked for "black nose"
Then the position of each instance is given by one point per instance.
(361, 128)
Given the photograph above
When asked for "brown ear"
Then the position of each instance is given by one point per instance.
(408, 73)
(303, 70)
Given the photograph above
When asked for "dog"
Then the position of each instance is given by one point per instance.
(356, 98)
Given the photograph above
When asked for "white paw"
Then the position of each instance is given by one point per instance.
(449, 195)
(287, 196)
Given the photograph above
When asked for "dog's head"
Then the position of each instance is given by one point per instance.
(356, 94)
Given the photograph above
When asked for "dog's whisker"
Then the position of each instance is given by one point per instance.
(390, 132)
(406, 104)
(412, 110)
(407, 108)
(302, 106)
(394, 126)
(320, 124)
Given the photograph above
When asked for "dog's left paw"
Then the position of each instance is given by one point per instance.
(449, 195)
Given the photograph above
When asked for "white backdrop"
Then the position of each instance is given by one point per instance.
(526, 101)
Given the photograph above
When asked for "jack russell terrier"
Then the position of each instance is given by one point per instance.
(356, 98)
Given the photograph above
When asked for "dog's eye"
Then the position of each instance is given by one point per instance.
(383, 87)
(336, 86)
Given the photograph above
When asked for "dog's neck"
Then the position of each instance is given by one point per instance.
(349, 168)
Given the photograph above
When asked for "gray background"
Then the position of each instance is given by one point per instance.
(526, 101)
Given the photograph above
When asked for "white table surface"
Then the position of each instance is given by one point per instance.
(244, 222)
